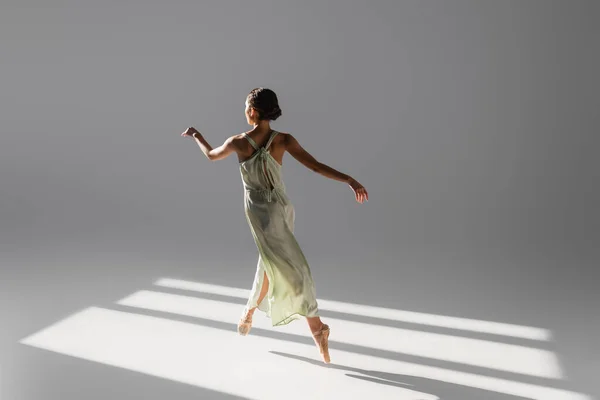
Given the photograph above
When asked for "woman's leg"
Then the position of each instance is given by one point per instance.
(263, 292)
(314, 323)
(245, 323)
(320, 333)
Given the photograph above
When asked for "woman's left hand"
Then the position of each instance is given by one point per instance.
(190, 132)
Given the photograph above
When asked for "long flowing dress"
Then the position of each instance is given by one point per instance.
(270, 214)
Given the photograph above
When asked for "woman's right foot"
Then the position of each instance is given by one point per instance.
(245, 323)
(321, 338)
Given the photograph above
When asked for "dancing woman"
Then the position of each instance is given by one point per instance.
(283, 286)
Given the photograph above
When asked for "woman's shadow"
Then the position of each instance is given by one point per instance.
(443, 390)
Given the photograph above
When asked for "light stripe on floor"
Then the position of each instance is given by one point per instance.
(443, 321)
(475, 352)
(260, 368)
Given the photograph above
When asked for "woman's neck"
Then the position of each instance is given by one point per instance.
(262, 126)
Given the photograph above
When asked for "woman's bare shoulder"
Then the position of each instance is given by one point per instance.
(240, 135)
(284, 137)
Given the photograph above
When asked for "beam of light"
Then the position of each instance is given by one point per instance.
(442, 321)
(256, 367)
(203, 356)
(476, 352)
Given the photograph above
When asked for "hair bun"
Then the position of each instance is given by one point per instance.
(274, 113)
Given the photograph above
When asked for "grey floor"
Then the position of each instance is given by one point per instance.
(52, 288)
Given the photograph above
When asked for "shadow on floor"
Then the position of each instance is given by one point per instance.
(443, 390)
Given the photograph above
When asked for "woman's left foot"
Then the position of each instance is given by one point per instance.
(245, 323)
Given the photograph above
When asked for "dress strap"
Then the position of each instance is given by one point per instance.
(273, 134)
(252, 142)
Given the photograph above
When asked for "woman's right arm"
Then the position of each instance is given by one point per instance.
(306, 159)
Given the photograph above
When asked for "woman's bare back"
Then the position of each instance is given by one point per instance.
(276, 149)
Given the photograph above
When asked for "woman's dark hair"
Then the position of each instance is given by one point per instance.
(265, 102)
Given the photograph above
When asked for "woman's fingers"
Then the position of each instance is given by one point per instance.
(361, 194)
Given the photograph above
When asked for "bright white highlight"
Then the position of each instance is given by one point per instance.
(220, 360)
(223, 361)
(442, 321)
(481, 353)
(205, 357)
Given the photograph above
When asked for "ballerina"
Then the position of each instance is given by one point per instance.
(283, 286)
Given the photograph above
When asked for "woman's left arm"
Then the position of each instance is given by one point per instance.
(221, 152)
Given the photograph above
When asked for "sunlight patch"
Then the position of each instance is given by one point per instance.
(476, 352)
(221, 360)
(442, 321)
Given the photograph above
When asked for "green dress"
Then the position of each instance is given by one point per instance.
(270, 214)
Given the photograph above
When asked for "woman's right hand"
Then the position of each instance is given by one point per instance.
(359, 190)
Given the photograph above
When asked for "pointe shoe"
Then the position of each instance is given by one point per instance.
(245, 323)
(321, 339)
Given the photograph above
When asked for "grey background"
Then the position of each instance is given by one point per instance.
(470, 123)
